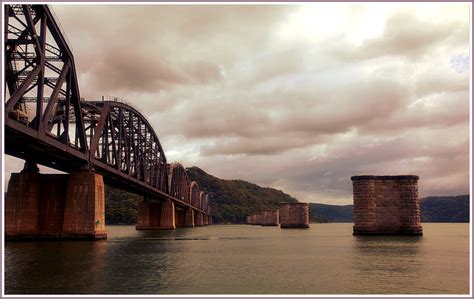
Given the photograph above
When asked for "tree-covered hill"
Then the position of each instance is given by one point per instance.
(445, 209)
(233, 200)
(331, 213)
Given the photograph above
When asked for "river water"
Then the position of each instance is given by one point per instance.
(243, 259)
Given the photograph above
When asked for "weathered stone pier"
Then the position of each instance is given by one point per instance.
(265, 218)
(386, 205)
(294, 215)
(47, 206)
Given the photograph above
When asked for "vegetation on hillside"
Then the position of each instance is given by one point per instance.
(330, 213)
(120, 206)
(233, 200)
(445, 209)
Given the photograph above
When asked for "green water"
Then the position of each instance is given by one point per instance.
(242, 259)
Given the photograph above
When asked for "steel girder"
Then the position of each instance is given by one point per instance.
(39, 72)
(47, 122)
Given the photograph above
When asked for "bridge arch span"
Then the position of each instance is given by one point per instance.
(178, 182)
(194, 193)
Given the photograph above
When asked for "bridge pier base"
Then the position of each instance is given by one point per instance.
(84, 212)
(156, 215)
(51, 206)
(180, 217)
(22, 205)
(189, 218)
(198, 218)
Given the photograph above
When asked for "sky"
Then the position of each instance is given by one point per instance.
(294, 97)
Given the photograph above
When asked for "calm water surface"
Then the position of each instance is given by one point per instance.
(241, 259)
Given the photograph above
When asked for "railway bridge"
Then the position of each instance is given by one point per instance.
(95, 142)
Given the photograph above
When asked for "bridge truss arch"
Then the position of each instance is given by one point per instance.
(47, 121)
(178, 182)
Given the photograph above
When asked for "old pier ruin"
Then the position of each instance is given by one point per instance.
(294, 215)
(386, 205)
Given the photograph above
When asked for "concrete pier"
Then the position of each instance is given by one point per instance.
(55, 206)
(294, 215)
(386, 205)
(180, 217)
(189, 220)
(156, 216)
(84, 211)
(198, 219)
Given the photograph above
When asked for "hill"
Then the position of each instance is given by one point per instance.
(233, 200)
(445, 209)
(432, 209)
(331, 213)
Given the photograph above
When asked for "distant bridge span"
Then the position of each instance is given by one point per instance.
(47, 122)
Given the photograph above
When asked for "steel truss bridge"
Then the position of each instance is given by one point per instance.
(47, 122)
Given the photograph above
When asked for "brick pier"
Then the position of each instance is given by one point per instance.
(294, 215)
(386, 205)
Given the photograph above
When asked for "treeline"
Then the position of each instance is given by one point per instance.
(233, 200)
(120, 206)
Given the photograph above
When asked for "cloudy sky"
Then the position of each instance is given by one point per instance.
(295, 97)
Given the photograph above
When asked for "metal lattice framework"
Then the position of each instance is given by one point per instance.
(205, 204)
(47, 122)
(178, 182)
(194, 193)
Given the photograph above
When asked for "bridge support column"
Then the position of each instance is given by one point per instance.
(168, 220)
(189, 218)
(199, 218)
(205, 220)
(22, 205)
(45, 206)
(84, 212)
(156, 215)
(180, 217)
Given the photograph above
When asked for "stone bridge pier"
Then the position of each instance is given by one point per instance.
(45, 206)
(386, 205)
(156, 215)
(198, 219)
(184, 217)
(294, 215)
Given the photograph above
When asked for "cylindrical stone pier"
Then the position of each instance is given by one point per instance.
(386, 205)
(294, 215)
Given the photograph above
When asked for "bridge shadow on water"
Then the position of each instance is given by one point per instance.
(135, 261)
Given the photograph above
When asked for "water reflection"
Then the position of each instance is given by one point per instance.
(59, 267)
(386, 263)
